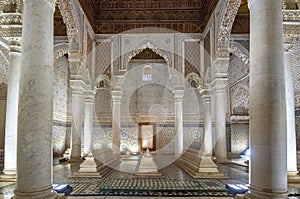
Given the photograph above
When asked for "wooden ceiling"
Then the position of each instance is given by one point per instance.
(185, 16)
(116, 16)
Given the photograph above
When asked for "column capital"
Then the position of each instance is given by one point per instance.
(178, 93)
(221, 67)
(77, 86)
(89, 96)
(11, 25)
(116, 94)
(219, 84)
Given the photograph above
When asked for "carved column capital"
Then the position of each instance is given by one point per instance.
(11, 26)
(116, 94)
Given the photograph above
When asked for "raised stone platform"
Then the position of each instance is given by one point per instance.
(198, 167)
(97, 164)
(147, 168)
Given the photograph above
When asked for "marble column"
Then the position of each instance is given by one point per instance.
(10, 157)
(76, 128)
(116, 119)
(206, 101)
(290, 113)
(35, 120)
(220, 148)
(268, 137)
(178, 144)
(88, 121)
(12, 33)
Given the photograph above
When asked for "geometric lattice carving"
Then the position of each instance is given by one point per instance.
(3, 91)
(237, 70)
(103, 57)
(192, 57)
(3, 65)
(60, 90)
(240, 101)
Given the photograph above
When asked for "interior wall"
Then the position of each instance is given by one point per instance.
(2, 121)
(3, 97)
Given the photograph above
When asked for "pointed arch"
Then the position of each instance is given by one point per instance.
(142, 45)
(226, 20)
(60, 50)
(71, 18)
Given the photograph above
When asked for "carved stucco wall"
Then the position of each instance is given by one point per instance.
(61, 107)
(60, 89)
(3, 96)
(3, 65)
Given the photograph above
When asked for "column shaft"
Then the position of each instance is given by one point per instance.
(88, 125)
(10, 158)
(77, 101)
(207, 151)
(220, 106)
(268, 131)
(116, 121)
(290, 119)
(35, 120)
(178, 96)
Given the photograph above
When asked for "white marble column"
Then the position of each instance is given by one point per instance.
(290, 113)
(88, 121)
(12, 33)
(10, 157)
(178, 98)
(76, 128)
(220, 148)
(116, 119)
(34, 143)
(206, 101)
(268, 130)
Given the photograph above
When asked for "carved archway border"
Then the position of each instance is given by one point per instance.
(60, 50)
(241, 52)
(143, 46)
(70, 18)
(3, 67)
(226, 20)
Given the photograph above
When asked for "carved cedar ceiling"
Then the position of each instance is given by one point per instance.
(60, 28)
(116, 16)
(241, 23)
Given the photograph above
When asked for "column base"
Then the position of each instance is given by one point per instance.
(9, 175)
(221, 160)
(255, 193)
(293, 177)
(36, 194)
(75, 160)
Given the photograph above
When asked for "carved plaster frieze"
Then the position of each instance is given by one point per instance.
(60, 50)
(4, 66)
(291, 15)
(227, 16)
(297, 100)
(3, 91)
(291, 31)
(239, 118)
(240, 52)
(11, 5)
(70, 18)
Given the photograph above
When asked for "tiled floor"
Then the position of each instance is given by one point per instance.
(121, 184)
